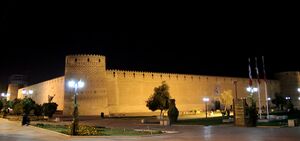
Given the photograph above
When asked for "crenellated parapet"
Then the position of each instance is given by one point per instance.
(127, 74)
(85, 60)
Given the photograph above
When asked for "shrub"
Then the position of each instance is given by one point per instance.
(38, 110)
(28, 105)
(85, 130)
(18, 108)
(49, 109)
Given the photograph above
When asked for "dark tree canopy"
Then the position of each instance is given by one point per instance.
(279, 101)
(160, 98)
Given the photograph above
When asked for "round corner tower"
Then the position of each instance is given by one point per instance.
(92, 70)
(16, 82)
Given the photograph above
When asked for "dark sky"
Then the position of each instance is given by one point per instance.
(35, 42)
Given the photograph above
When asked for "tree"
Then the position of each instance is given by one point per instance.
(226, 99)
(251, 112)
(49, 109)
(28, 105)
(160, 98)
(18, 109)
(279, 101)
(38, 110)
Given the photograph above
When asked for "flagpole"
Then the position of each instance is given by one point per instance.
(267, 104)
(259, 103)
(258, 88)
(266, 88)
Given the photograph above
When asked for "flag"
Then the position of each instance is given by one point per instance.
(257, 72)
(250, 76)
(264, 71)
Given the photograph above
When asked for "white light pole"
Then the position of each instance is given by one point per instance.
(205, 99)
(76, 85)
(27, 92)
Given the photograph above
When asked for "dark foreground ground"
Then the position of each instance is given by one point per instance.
(13, 131)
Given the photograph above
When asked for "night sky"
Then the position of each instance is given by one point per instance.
(35, 43)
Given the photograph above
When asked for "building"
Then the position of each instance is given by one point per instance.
(125, 92)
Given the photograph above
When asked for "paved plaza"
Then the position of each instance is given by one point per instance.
(13, 131)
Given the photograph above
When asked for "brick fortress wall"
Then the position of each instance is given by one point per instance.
(42, 90)
(118, 91)
(130, 89)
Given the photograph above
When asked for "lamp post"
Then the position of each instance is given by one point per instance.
(76, 85)
(5, 95)
(205, 99)
(268, 99)
(27, 92)
(252, 90)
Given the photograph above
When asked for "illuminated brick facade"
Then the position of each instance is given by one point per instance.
(118, 91)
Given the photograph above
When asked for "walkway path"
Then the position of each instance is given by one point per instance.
(13, 131)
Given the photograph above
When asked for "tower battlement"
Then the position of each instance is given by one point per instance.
(85, 60)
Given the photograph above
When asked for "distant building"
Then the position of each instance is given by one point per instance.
(16, 82)
(125, 92)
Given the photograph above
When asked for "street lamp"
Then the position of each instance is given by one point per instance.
(251, 89)
(5, 95)
(27, 92)
(268, 99)
(205, 99)
(76, 85)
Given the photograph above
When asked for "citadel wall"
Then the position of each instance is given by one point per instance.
(42, 90)
(118, 91)
(130, 89)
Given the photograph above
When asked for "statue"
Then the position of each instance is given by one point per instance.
(50, 98)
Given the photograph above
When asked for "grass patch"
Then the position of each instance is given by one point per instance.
(202, 121)
(97, 131)
(56, 128)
